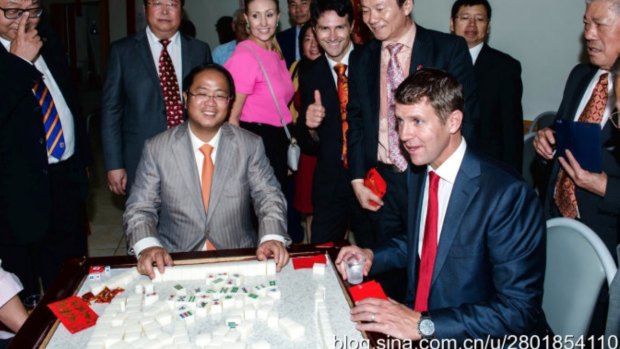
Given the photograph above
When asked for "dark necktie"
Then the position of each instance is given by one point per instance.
(429, 247)
(394, 77)
(51, 120)
(343, 97)
(564, 196)
(170, 87)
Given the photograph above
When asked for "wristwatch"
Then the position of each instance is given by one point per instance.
(426, 326)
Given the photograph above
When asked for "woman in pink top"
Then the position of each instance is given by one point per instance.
(254, 108)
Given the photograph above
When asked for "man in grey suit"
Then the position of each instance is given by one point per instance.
(167, 210)
(134, 107)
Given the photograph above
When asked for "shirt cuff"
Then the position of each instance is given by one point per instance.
(275, 237)
(9, 286)
(143, 244)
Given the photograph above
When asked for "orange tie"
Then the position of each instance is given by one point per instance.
(207, 175)
(564, 196)
(343, 97)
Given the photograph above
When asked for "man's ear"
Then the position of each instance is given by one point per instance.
(455, 120)
(185, 100)
(452, 25)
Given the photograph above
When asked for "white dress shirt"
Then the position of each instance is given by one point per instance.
(475, 52)
(199, 157)
(344, 60)
(64, 113)
(447, 173)
(174, 50)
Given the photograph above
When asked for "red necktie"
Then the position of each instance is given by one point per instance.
(429, 248)
(343, 97)
(170, 87)
(564, 197)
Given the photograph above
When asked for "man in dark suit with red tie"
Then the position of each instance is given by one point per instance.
(475, 244)
(43, 151)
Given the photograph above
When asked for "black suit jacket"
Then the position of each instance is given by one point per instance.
(133, 108)
(598, 213)
(24, 183)
(498, 79)
(431, 49)
(490, 265)
(286, 40)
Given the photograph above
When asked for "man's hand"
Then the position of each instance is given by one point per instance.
(315, 112)
(27, 44)
(117, 181)
(353, 252)
(593, 182)
(364, 196)
(153, 255)
(388, 317)
(544, 143)
(275, 249)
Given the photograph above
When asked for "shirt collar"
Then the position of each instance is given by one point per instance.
(475, 52)
(197, 143)
(154, 40)
(344, 60)
(406, 40)
(6, 43)
(450, 168)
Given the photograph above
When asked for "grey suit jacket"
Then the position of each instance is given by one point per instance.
(166, 200)
(133, 107)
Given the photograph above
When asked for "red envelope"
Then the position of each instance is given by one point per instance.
(375, 183)
(308, 262)
(74, 313)
(370, 289)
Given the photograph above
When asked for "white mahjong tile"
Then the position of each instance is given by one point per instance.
(232, 336)
(261, 344)
(273, 320)
(202, 339)
(262, 313)
(274, 293)
(318, 269)
(96, 287)
(292, 329)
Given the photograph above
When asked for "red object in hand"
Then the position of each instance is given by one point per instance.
(370, 289)
(376, 184)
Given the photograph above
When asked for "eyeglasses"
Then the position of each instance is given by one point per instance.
(160, 5)
(615, 119)
(477, 19)
(15, 13)
(219, 98)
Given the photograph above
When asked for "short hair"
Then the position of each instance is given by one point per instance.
(189, 80)
(460, 3)
(147, 1)
(246, 4)
(615, 4)
(302, 33)
(439, 88)
(341, 7)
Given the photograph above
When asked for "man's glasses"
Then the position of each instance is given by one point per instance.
(15, 13)
(160, 5)
(219, 98)
(467, 18)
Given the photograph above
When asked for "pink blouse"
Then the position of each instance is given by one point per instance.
(259, 106)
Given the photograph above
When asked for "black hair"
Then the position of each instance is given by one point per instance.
(460, 3)
(189, 80)
(341, 7)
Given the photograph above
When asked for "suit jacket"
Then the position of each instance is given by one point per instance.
(498, 78)
(598, 213)
(286, 40)
(166, 200)
(24, 183)
(133, 108)
(490, 264)
(431, 49)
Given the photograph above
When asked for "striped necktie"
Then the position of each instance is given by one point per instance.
(51, 120)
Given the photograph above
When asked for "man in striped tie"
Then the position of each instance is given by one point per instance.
(43, 151)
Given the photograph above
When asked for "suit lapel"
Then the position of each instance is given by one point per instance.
(226, 156)
(143, 51)
(185, 58)
(419, 53)
(184, 156)
(374, 74)
(581, 90)
(466, 186)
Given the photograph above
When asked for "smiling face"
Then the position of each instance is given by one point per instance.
(386, 19)
(206, 108)
(8, 27)
(426, 138)
(163, 20)
(334, 34)
(602, 33)
(472, 23)
(310, 45)
(263, 17)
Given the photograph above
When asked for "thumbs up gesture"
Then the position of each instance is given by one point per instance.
(316, 112)
(27, 43)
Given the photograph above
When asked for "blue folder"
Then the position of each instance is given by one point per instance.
(583, 139)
